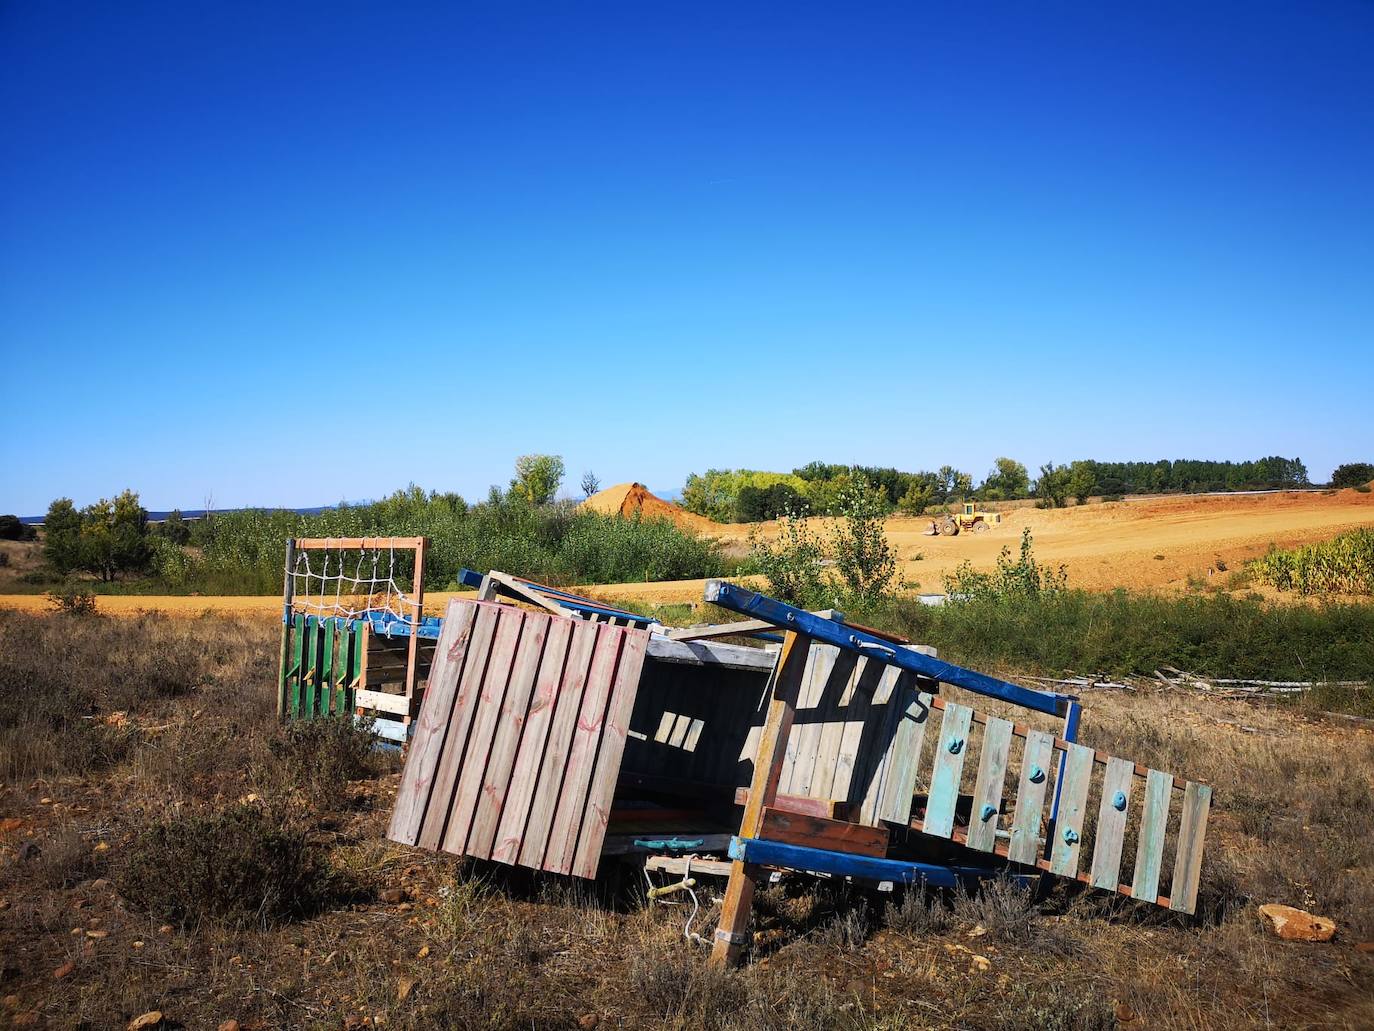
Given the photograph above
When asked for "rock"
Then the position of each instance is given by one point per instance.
(62, 971)
(28, 1019)
(10, 824)
(11, 1002)
(97, 934)
(4, 905)
(150, 1019)
(588, 1021)
(165, 929)
(229, 1025)
(1294, 925)
(980, 964)
(1124, 1014)
(393, 895)
(99, 884)
(404, 987)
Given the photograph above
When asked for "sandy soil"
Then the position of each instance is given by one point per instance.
(1152, 544)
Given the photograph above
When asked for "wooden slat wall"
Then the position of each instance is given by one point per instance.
(1096, 829)
(520, 737)
(858, 728)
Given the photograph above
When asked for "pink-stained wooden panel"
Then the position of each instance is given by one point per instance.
(519, 738)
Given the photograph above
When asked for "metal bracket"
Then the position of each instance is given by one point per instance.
(731, 937)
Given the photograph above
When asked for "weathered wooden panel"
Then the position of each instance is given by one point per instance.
(520, 737)
(1149, 853)
(1197, 801)
(1030, 797)
(950, 750)
(1111, 823)
(1073, 805)
(817, 832)
(987, 793)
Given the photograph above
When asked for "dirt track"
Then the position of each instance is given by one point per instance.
(1103, 546)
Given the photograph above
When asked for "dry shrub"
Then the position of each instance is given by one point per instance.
(917, 913)
(64, 861)
(243, 865)
(321, 756)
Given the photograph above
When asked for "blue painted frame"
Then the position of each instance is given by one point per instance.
(828, 631)
(866, 868)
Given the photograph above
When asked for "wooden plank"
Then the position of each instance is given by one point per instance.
(299, 675)
(1197, 802)
(833, 703)
(987, 792)
(283, 664)
(683, 865)
(1111, 823)
(422, 759)
(763, 788)
(328, 644)
(951, 747)
(1073, 804)
(525, 775)
(557, 742)
(577, 778)
(1030, 797)
(712, 653)
(1149, 852)
(383, 701)
(505, 744)
(601, 791)
(856, 709)
(817, 832)
(455, 741)
(900, 784)
(501, 667)
(417, 615)
(804, 739)
(357, 543)
(804, 805)
(876, 757)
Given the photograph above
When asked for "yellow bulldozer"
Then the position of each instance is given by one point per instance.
(972, 518)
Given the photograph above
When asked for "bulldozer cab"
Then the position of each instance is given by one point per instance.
(968, 508)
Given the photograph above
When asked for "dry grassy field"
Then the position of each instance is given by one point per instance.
(166, 845)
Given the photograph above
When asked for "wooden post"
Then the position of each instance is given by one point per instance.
(487, 592)
(287, 591)
(413, 655)
(763, 789)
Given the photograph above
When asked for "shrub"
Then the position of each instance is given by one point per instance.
(74, 599)
(864, 559)
(241, 866)
(12, 529)
(1024, 578)
(791, 563)
(323, 755)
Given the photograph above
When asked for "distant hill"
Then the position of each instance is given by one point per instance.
(201, 513)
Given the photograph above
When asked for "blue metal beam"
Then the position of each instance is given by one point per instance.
(828, 631)
(866, 868)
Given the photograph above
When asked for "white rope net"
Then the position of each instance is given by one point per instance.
(354, 583)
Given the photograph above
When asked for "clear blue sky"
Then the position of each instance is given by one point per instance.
(291, 253)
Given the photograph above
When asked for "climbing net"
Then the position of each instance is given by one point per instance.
(355, 578)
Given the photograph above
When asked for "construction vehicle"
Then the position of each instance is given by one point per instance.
(972, 518)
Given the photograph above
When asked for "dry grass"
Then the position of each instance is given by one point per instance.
(100, 798)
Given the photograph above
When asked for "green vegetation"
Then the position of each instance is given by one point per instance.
(1024, 579)
(537, 478)
(1352, 474)
(108, 538)
(1069, 631)
(865, 564)
(11, 529)
(747, 495)
(1342, 565)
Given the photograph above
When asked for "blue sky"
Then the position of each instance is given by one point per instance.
(292, 253)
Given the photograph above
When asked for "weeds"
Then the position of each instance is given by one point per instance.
(323, 755)
(1021, 579)
(1342, 565)
(242, 865)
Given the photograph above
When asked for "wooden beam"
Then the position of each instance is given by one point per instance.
(711, 653)
(826, 808)
(763, 789)
(818, 832)
(357, 543)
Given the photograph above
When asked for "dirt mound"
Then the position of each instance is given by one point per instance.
(630, 499)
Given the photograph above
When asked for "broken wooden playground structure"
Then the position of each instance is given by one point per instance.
(547, 730)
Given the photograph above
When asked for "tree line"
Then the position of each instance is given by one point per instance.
(746, 495)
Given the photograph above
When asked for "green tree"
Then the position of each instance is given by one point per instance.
(1052, 488)
(62, 537)
(12, 528)
(537, 478)
(174, 528)
(864, 558)
(1008, 478)
(114, 537)
(791, 562)
(916, 500)
(1082, 479)
(1352, 474)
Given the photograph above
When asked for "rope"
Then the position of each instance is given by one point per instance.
(395, 601)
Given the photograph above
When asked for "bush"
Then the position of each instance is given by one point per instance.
(791, 563)
(1024, 578)
(11, 529)
(323, 755)
(74, 599)
(864, 559)
(241, 866)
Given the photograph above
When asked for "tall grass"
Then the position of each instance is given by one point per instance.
(1342, 565)
(242, 552)
(1122, 633)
